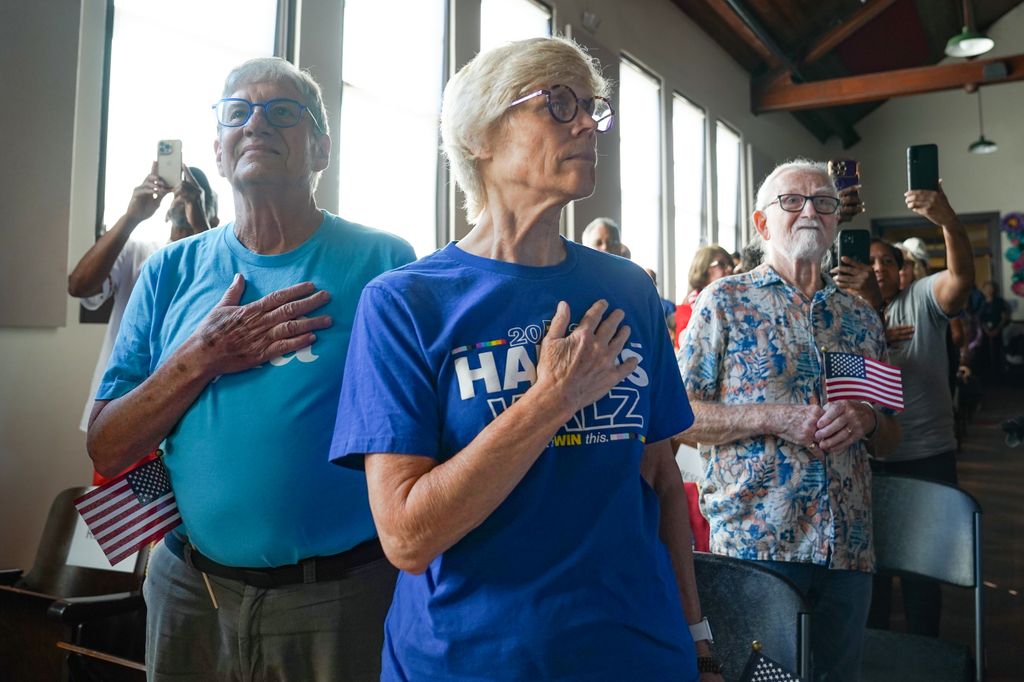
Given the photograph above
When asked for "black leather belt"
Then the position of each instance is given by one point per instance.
(311, 570)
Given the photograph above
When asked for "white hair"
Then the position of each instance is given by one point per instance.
(476, 100)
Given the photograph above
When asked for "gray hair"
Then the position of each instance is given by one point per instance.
(275, 69)
(592, 226)
(476, 100)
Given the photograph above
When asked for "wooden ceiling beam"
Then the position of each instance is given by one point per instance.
(739, 27)
(833, 38)
(878, 86)
(830, 41)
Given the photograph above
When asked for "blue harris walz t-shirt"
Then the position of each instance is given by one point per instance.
(567, 579)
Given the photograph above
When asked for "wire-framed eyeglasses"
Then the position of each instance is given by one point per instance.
(563, 104)
(794, 203)
(234, 112)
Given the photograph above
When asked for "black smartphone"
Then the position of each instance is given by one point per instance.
(923, 166)
(845, 172)
(855, 244)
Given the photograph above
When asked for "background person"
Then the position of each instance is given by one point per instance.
(788, 482)
(928, 447)
(604, 235)
(710, 263)
(230, 358)
(111, 266)
(528, 493)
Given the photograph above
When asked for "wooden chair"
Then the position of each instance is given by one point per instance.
(85, 608)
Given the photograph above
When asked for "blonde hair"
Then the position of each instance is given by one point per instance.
(476, 100)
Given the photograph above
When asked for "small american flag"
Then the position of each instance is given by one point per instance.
(134, 509)
(760, 668)
(855, 377)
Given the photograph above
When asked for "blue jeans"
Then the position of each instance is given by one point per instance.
(839, 609)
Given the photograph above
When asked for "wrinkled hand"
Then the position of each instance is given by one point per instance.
(583, 365)
(858, 279)
(850, 203)
(844, 423)
(195, 200)
(898, 334)
(236, 338)
(931, 204)
(798, 424)
(146, 197)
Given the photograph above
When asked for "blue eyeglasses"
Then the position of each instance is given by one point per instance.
(233, 112)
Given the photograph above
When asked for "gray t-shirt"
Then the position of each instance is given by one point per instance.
(927, 421)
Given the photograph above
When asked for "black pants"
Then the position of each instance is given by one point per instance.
(922, 598)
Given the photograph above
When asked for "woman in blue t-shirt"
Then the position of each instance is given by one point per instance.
(511, 397)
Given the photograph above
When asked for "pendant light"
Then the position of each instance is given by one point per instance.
(981, 145)
(969, 42)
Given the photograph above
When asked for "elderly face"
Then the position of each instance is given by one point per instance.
(803, 235)
(603, 239)
(887, 273)
(535, 160)
(257, 153)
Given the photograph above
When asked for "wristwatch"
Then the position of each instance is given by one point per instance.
(702, 630)
(709, 664)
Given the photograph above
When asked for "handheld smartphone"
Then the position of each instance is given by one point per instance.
(168, 161)
(923, 166)
(855, 244)
(845, 172)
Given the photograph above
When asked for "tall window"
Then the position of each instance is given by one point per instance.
(727, 151)
(391, 101)
(504, 20)
(639, 124)
(688, 141)
(167, 94)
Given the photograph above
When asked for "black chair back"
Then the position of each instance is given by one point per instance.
(746, 602)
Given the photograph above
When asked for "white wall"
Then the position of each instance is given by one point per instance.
(974, 183)
(45, 373)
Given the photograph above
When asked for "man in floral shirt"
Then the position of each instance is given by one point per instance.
(787, 477)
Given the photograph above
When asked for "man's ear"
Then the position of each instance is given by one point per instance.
(217, 155)
(321, 152)
(760, 220)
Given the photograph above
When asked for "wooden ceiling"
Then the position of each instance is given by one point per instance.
(831, 62)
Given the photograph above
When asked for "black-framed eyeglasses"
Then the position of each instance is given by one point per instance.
(234, 112)
(564, 105)
(794, 203)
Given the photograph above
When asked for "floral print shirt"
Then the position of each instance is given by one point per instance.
(754, 338)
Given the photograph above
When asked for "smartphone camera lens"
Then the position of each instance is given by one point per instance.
(164, 149)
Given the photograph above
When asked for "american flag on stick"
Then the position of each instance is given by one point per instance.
(760, 668)
(130, 511)
(854, 377)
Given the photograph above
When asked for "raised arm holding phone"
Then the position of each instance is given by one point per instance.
(110, 268)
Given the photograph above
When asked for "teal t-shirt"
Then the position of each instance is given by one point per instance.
(248, 460)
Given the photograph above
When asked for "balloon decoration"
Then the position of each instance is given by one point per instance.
(1013, 226)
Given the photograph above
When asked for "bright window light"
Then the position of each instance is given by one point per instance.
(727, 150)
(639, 124)
(688, 154)
(167, 93)
(502, 21)
(387, 148)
